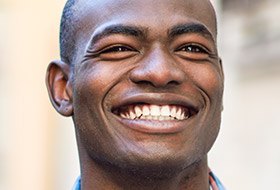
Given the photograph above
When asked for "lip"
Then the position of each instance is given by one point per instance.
(153, 126)
(158, 99)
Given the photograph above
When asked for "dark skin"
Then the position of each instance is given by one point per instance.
(163, 55)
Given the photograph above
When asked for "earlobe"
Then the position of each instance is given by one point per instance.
(59, 87)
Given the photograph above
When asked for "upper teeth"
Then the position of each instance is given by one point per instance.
(155, 112)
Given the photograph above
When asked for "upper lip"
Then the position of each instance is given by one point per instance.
(159, 99)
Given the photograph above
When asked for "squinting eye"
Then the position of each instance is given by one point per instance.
(193, 49)
(193, 52)
(116, 52)
(117, 49)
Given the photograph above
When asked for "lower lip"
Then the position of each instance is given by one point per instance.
(156, 127)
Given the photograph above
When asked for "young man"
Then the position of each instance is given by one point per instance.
(143, 83)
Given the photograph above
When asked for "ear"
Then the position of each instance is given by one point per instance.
(59, 87)
(223, 78)
(221, 68)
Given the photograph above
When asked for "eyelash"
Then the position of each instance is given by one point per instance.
(193, 48)
(117, 48)
(122, 51)
(113, 52)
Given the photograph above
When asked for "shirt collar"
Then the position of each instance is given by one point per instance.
(215, 183)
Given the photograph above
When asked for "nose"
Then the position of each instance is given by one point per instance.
(158, 69)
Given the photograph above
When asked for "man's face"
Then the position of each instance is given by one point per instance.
(148, 83)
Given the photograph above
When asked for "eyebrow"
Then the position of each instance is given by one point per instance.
(190, 28)
(141, 32)
(138, 32)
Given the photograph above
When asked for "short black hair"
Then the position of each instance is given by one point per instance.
(67, 41)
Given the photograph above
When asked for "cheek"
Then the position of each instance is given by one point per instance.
(95, 80)
(209, 79)
(91, 87)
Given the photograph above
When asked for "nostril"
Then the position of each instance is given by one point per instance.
(144, 83)
(148, 83)
(158, 78)
(174, 83)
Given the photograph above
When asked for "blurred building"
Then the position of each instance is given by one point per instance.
(29, 128)
(258, 32)
(247, 154)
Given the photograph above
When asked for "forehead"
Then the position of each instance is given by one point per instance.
(155, 14)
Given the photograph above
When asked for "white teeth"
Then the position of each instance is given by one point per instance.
(146, 110)
(165, 111)
(155, 117)
(132, 114)
(143, 117)
(178, 114)
(149, 117)
(155, 112)
(127, 116)
(173, 111)
(138, 111)
(123, 115)
(182, 117)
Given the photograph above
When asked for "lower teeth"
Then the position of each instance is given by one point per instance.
(156, 118)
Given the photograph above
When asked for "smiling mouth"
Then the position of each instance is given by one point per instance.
(154, 112)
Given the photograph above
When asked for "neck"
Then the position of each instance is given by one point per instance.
(102, 176)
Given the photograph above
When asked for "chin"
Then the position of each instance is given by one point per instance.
(152, 165)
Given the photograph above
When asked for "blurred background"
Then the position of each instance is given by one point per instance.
(37, 146)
